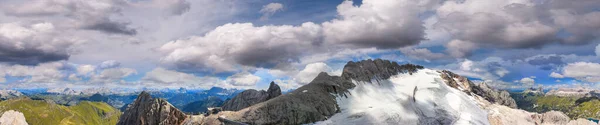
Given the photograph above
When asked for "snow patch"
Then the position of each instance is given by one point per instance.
(391, 102)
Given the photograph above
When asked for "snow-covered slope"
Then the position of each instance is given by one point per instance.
(420, 98)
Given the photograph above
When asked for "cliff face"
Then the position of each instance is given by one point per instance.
(146, 110)
(251, 97)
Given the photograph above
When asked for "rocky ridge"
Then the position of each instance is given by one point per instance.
(482, 89)
(313, 102)
(150, 111)
(251, 97)
(316, 101)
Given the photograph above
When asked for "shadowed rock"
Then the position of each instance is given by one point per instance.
(146, 110)
(251, 97)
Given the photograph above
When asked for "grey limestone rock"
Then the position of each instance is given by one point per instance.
(146, 110)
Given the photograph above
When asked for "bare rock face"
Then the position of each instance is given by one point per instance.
(489, 94)
(146, 110)
(498, 97)
(12, 117)
(250, 97)
(377, 69)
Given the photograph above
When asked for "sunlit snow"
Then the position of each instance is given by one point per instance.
(391, 102)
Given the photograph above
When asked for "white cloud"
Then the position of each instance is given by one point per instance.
(109, 64)
(375, 24)
(85, 69)
(112, 75)
(243, 79)
(585, 71)
(161, 76)
(270, 9)
(422, 53)
(556, 75)
(241, 44)
(459, 48)
(42, 73)
(517, 23)
(311, 71)
(527, 81)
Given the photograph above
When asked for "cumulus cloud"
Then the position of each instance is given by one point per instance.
(585, 71)
(459, 48)
(109, 64)
(33, 44)
(112, 75)
(270, 9)
(311, 71)
(241, 44)
(422, 53)
(85, 69)
(519, 24)
(92, 15)
(556, 75)
(243, 79)
(43, 73)
(161, 76)
(376, 24)
(527, 81)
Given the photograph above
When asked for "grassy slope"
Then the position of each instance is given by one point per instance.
(38, 112)
(568, 105)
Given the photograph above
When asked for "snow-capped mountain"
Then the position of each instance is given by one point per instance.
(8, 94)
(420, 98)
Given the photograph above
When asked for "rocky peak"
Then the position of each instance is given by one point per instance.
(378, 69)
(250, 97)
(273, 90)
(146, 110)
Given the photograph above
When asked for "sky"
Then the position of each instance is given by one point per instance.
(246, 44)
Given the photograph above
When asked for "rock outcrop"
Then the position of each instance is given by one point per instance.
(146, 110)
(315, 101)
(12, 117)
(489, 94)
(498, 97)
(250, 97)
(368, 70)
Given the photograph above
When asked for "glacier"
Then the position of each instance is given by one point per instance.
(417, 98)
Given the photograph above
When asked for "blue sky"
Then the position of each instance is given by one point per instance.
(249, 43)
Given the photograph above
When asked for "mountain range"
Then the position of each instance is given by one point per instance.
(367, 92)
